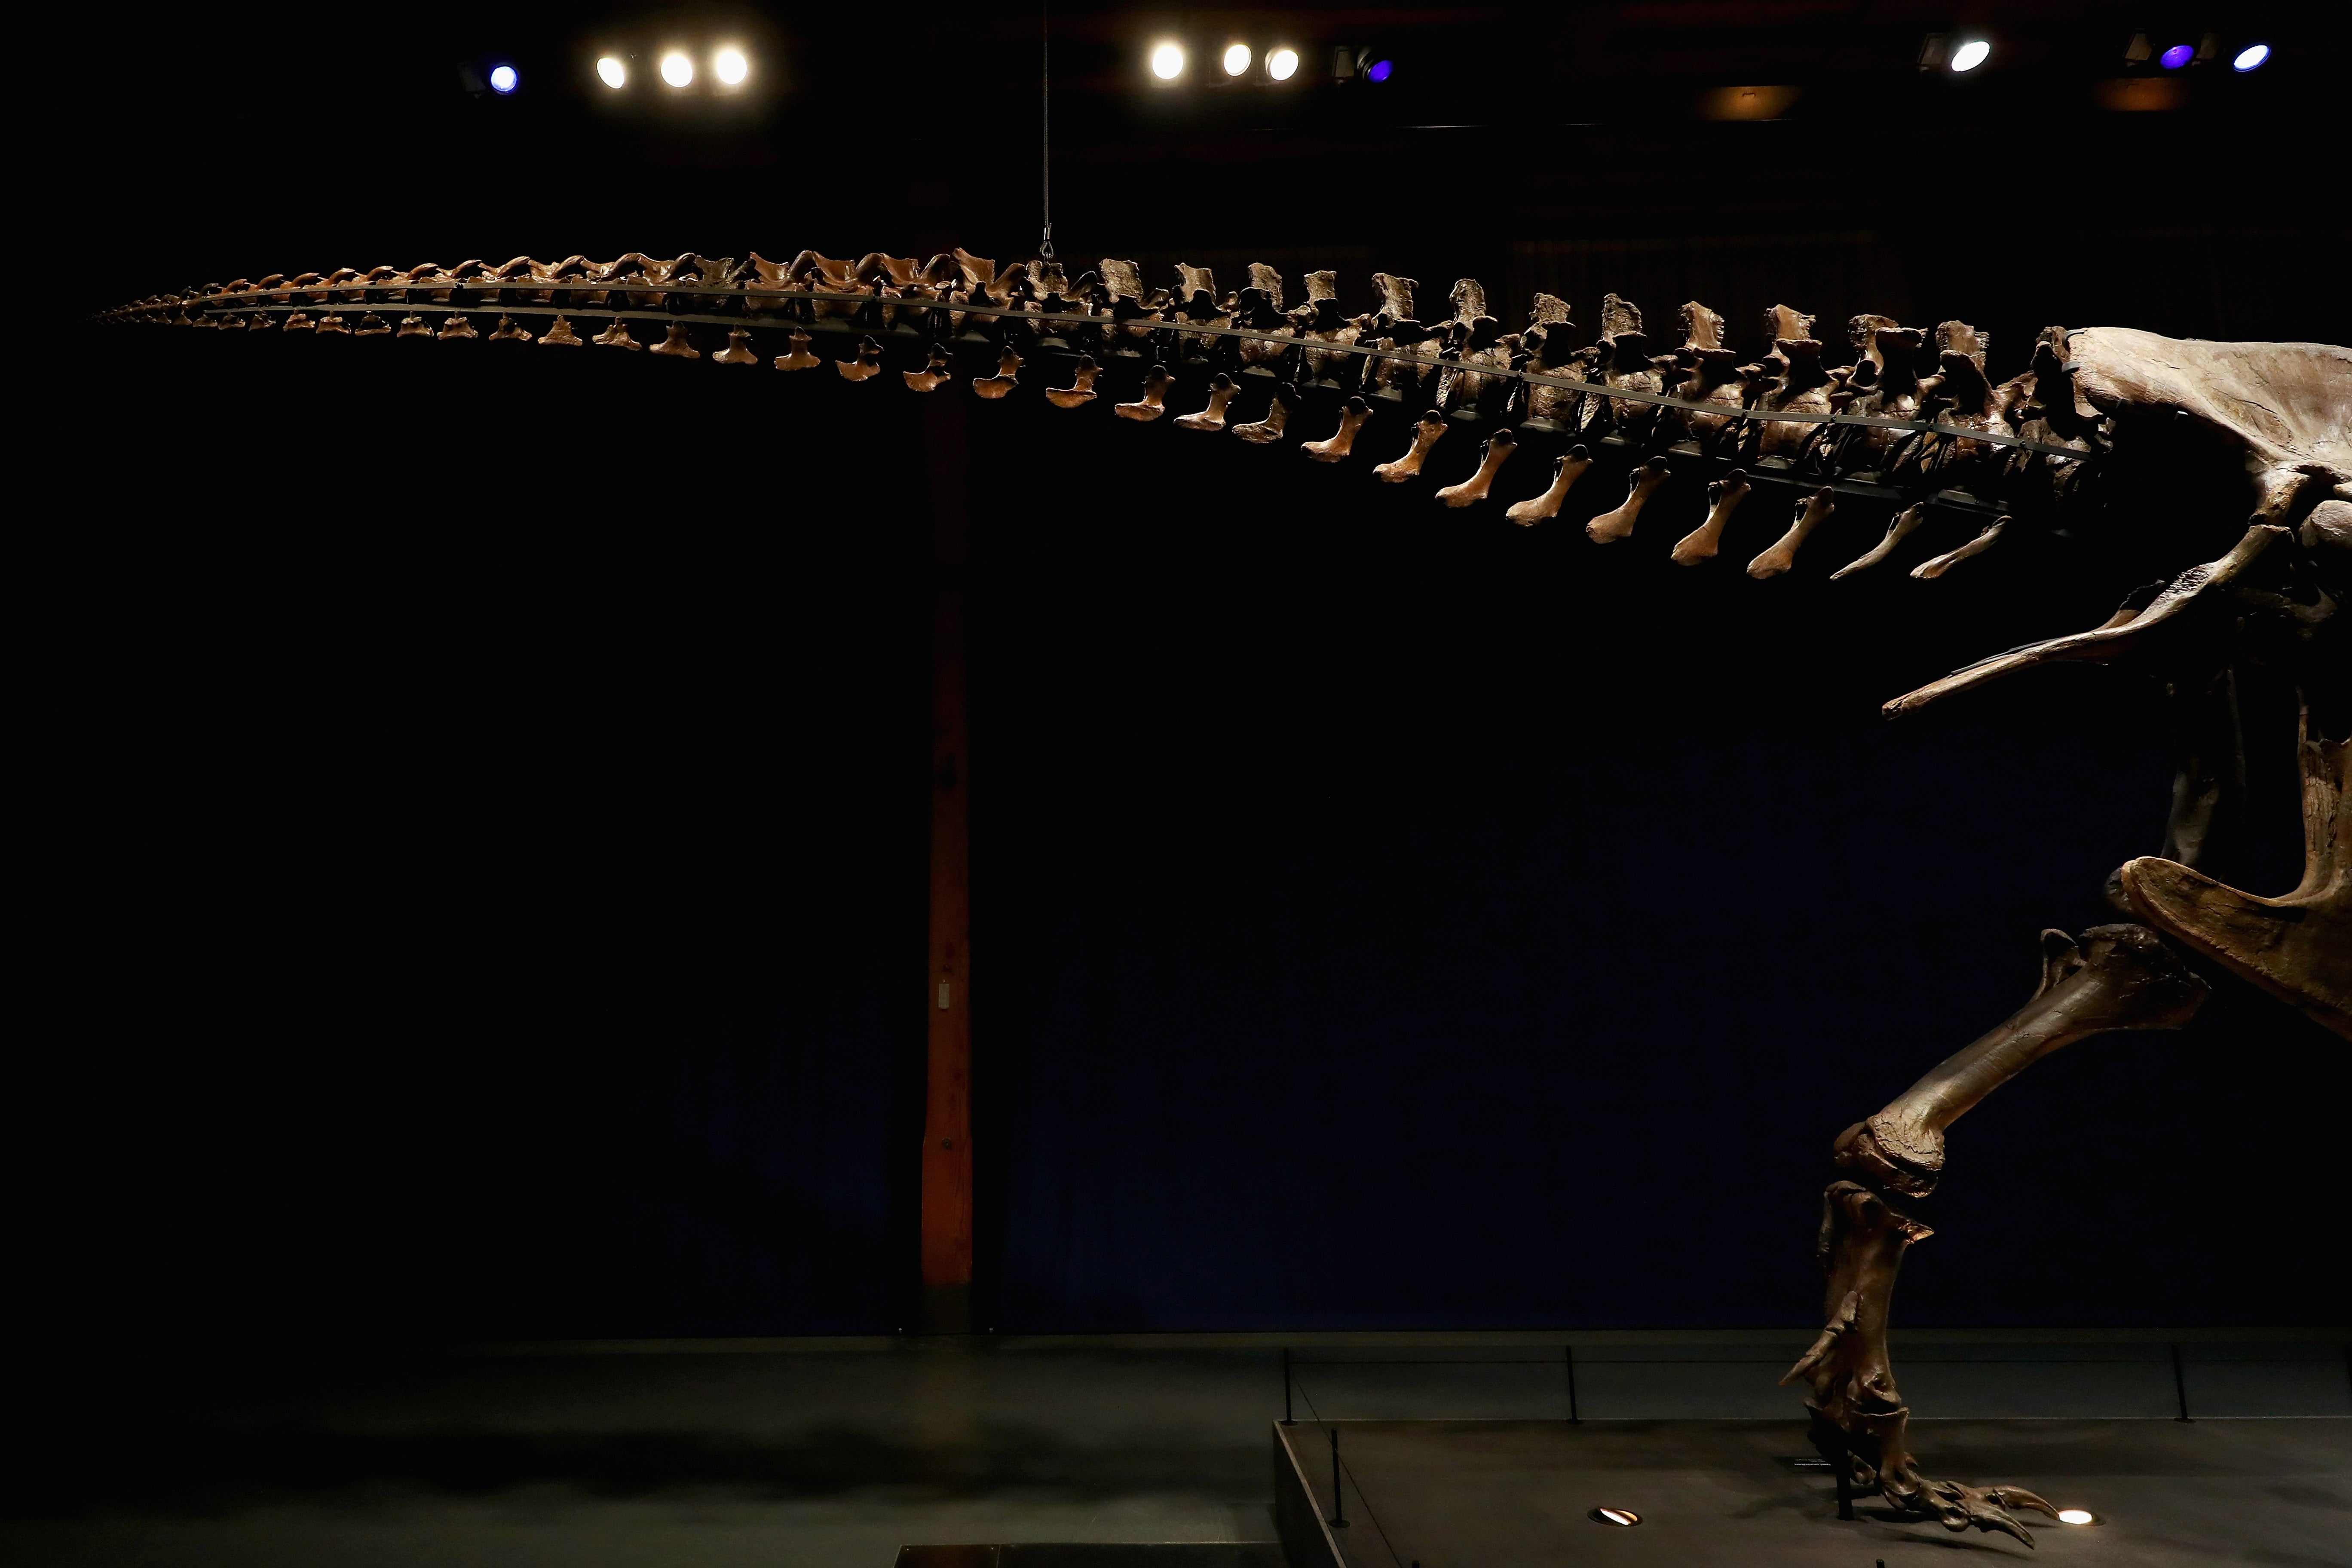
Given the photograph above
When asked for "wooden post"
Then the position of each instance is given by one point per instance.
(947, 1217)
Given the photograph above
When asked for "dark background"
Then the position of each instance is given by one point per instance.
(477, 804)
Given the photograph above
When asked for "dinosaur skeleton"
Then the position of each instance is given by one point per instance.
(1904, 433)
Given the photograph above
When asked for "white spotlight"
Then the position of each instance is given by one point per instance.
(1237, 60)
(2077, 1516)
(2250, 57)
(612, 73)
(503, 79)
(1282, 65)
(1168, 62)
(730, 66)
(1970, 55)
(676, 69)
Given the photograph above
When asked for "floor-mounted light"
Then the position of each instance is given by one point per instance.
(1237, 60)
(1282, 64)
(503, 80)
(676, 69)
(2077, 1516)
(731, 66)
(2250, 57)
(1970, 55)
(612, 73)
(2180, 55)
(1624, 1518)
(1380, 70)
(1168, 61)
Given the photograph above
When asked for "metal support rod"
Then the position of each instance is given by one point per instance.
(1287, 1421)
(1845, 1488)
(2180, 1384)
(1339, 1520)
(1567, 1358)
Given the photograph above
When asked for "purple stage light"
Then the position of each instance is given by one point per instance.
(2180, 55)
(1381, 71)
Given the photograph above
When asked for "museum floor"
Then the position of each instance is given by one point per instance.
(837, 1453)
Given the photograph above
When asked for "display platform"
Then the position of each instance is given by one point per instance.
(1731, 1494)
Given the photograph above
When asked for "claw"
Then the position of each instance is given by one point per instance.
(1985, 1508)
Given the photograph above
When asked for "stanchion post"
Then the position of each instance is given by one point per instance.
(1339, 1520)
(1287, 1421)
(2180, 1384)
(1568, 1359)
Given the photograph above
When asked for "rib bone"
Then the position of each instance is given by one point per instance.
(2109, 641)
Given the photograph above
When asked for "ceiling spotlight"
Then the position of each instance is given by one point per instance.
(1380, 70)
(1168, 62)
(1624, 1517)
(2077, 1516)
(612, 73)
(503, 79)
(730, 66)
(1970, 55)
(676, 69)
(1237, 60)
(1282, 65)
(2180, 55)
(2250, 57)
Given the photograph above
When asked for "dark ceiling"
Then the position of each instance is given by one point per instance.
(358, 137)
